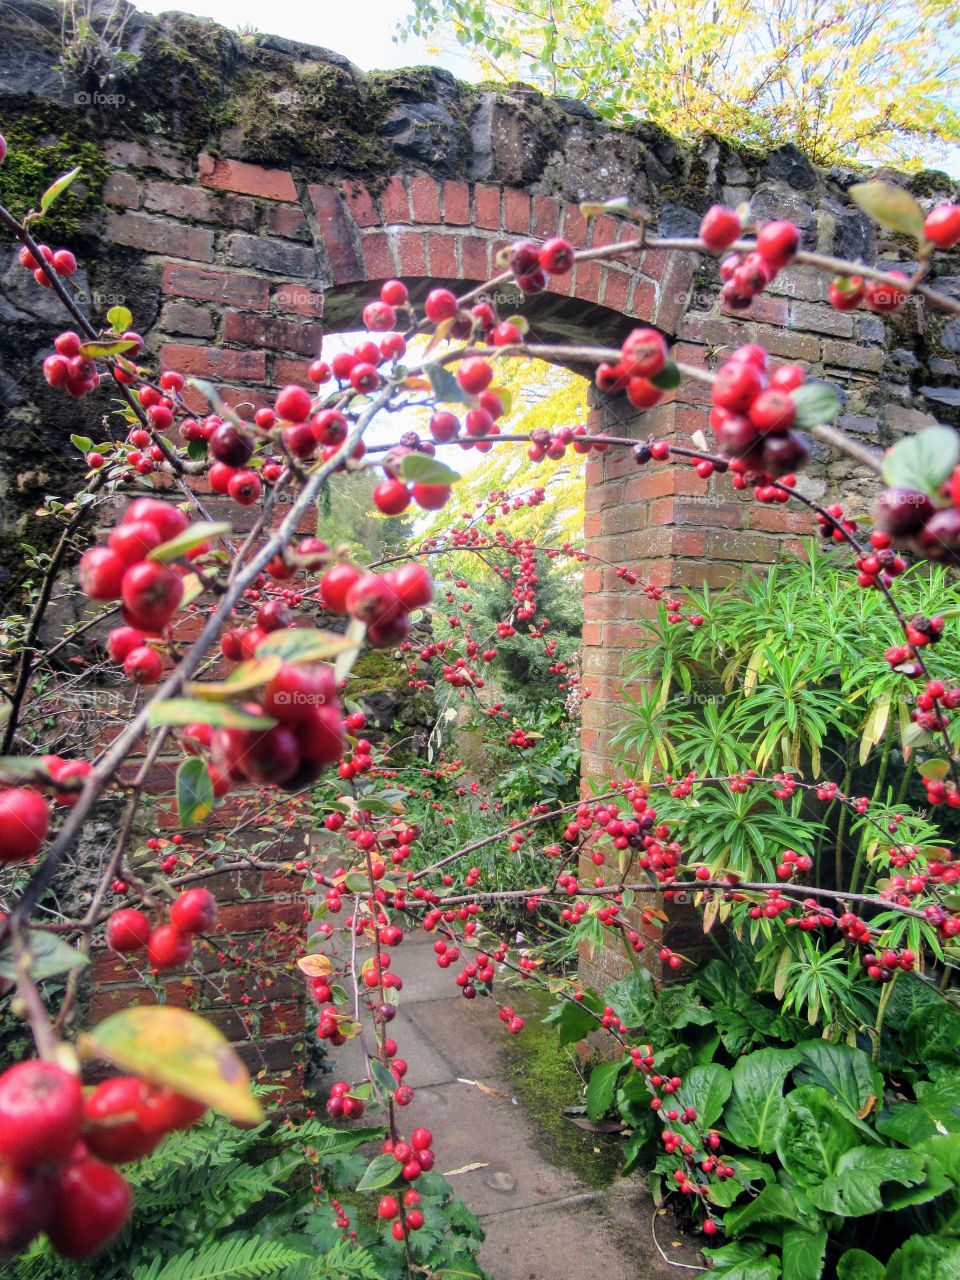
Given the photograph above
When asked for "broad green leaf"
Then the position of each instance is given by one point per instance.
(179, 1049)
(630, 998)
(385, 1079)
(303, 644)
(816, 403)
(193, 536)
(382, 1171)
(418, 468)
(890, 206)
(847, 1074)
(803, 1253)
(602, 1086)
(571, 1021)
(857, 1265)
(922, 461)
(812, 1136)
(742, 1260)
(854, 1188)
(119, 319)
(83, 443)
(773, 1205)
(754, 1112)
(56, 189)
(95, 350)
(707, 1088)
(49, 955)
(220, 715)
(249, 675)
(668, 377)
(195, 798)
(748, 1174)
(924, 1258)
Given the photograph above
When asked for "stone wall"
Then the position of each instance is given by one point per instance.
(243, 194)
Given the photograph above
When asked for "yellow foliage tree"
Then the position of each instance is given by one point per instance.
(843, 79)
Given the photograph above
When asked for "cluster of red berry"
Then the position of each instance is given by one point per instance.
(383, 602)
(167, 945)
(752, 416)
(58, 1146)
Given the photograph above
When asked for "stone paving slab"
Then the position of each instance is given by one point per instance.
(467, 1033)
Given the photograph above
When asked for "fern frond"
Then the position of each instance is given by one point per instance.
(238, 1257)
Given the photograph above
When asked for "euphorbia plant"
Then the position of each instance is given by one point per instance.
(280, 721)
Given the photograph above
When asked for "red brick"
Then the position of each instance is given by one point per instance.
(412, 252)
(285, 220)
(616, 287)
(587, 282)
(250, 329)
(156, 235)
(574, 226)
(249, 916)
(122, 188)
(283, 882)
(456, 203)
(183, 201)
(298, 299)
(475, 253)
(516, 211)
(183, 317)
(247, 179)
(377, 255)
(592, 633)
(216, 286)
(361, 204)
(425, 195)
(395, 202)
(643, 300)
(136, 155)
(674, 291)
(779, 519)
(546, 217)
(286, 371)
(214, 362)
(443, 256)
(766, 309)
(267, 253)
(336, 233)
(605, 230)
(246, 401)
(487, 201)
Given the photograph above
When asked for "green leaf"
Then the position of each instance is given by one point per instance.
(668, 377)
(924, 1258)
(119, 319)
(853, 1188)
(602, 1086)
(249, 675)
(104, 350)
(707, 1088)
(922, 461)
(445, 386)
(571, 1021)
(83, 443)
(812, 1136)
(857, 1265)
(304, 644)
(630, 998)
(755, 1110)
(619, 204)
(847, 1074)
(773, 1205)
(195, 796)
(236, 1257)
(221, 716)
(177, 1048)
(382, 1171)
(193, 536)
(816, 402)
(803, 1253)
(890, 206)
(56, 190)
(742, 1260)
(417, 468)
(49, 955)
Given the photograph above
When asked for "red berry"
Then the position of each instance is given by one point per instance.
(64, 263)
(24, 821)
(391, 497)
(101, 573)
(151, 594)
(774, 411)
(394, 292)
(170, 520)
(642, 393)
(720, 228)
(195, 911)
(335, 586)
(245, 488)
(388, 1208)
(942, 226)
(474, 375)
(293, 404)
(379, 317)
(318, 372)
(883, 297)
(40, 1109)
(846, 292)
(168, 947)
(413, 586)
(444, 426)
(91, 1203)
(431, 497)
(557, 256)
(440, 305)
(128, 930)
(143, 665)
(111, 1116)
(737, 384)
(643, 354)
(778, 242)
(24, 1208)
